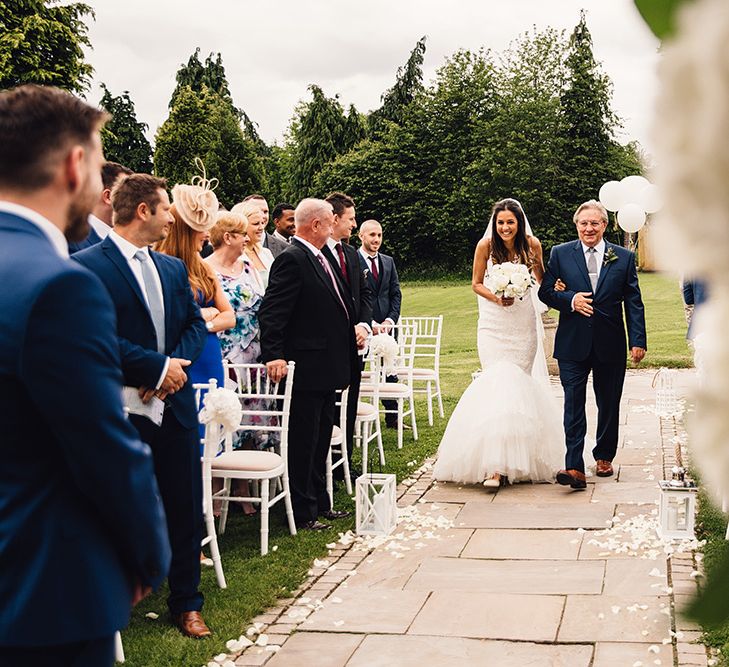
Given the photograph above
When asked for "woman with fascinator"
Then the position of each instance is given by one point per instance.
(195, 209)
(506, 426)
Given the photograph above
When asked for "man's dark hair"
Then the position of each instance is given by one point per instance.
(38, 124)
(111, 171)
(340, 202)
(130, 192)
(280, 208)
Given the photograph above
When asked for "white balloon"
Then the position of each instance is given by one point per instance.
(631, 217)
(650, 198)
(611, 195)
(632, 188)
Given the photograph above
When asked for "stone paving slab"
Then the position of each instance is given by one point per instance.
(590, 618)
(627, 492)
(415, 651)
(450, 492)
(528, 577)
(488, 616)
(553, 515)
(617, 653)
(322, 649)
(523, 544)
(633, 577)
(539, 494)
(374, 610)
(641, 473)
(639, 457)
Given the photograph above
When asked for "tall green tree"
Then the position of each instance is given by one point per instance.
(123, 137)
(41, 41)
(197, 75)
(203, 125)
(408, 83)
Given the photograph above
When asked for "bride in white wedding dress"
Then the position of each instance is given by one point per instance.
(507, 425)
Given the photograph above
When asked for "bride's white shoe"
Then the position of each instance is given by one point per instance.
(493, 482)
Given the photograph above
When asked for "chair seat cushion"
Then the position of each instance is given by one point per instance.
(423, 374)
(247, 460)
(387, 389)
(365, 409)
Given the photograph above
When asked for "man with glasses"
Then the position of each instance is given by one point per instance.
(600, 281)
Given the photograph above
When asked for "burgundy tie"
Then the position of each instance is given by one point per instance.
(375, 273)
(327, 269)
(342, 262)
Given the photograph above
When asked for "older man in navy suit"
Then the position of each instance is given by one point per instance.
(160, 332)
(601, 280)
(82, 531)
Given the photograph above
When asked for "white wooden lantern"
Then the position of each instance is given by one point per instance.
(666, 398)
(376, 504)
(677, 511)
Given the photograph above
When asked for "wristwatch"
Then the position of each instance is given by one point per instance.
(209, 325)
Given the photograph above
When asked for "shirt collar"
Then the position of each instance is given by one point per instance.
(364, 254)
(312, 248)
(599, 248)
(99, 226)
(55, 235)
(127, 249)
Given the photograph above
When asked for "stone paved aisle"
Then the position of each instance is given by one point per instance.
(524, 576)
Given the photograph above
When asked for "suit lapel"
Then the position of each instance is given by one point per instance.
(321, 273)
(385, 271)
(604, 269)
(579, 256)
(166, 289)
(114, 254)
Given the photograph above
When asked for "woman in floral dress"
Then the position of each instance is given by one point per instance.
(244, 290)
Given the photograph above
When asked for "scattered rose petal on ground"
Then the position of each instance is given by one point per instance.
(262, 640)
(152, 615)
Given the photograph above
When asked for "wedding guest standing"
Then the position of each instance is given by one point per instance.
(260, 257)
(194, 209)
(306, 318)
(160, 333)
(386, 294)
(100, 217)
(241, 344)
(601, 281)
(283, 223)
(82, 530)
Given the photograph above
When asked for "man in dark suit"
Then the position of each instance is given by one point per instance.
(160, 332)
(601, 280)
(386, 294)
(283, 222)
(307, 317)
(344, 261)
(100, 217)
(275, 245)
(82, 531)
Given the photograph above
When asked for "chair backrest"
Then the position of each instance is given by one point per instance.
(428, 337)
(341, 403)
(252, 382)
(407, 340)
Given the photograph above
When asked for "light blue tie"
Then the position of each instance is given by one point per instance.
(592, 267)
(154, 300)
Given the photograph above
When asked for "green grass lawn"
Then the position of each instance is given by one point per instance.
(255, 582)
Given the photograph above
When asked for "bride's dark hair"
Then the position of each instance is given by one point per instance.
(521, 244)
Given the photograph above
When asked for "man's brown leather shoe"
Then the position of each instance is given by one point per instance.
(572, 478)
(191, 624)
(603, 468)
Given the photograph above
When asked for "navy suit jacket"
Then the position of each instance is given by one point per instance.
(617, 289)
(80, 514)
(185, 330)
(386, 294)
(92, 239)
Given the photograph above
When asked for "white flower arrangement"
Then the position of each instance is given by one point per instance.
(223, 407)
(509, 280)
(385, 346)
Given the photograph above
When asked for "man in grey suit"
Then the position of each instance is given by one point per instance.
(275, 245)
(386, 294)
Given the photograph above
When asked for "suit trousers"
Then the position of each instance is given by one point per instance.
(176, 454)
(91, 653)
(310, 433)
(607, 382)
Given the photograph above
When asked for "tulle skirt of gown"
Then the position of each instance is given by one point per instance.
(507, 421)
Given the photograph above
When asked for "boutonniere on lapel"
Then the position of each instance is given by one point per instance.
(609, 257)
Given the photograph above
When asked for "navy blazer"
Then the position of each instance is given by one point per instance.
(185, 330)
(617, 289)
(92, 239)
(386, 294)
(80, 514)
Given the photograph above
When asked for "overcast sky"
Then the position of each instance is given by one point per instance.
(273, 50)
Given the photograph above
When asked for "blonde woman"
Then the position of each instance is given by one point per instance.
(240, 344)
(260, 257)
(195, 209)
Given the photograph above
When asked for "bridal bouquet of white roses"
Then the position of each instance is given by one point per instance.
(509, 280)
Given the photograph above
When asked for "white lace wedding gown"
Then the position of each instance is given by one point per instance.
(507, 420)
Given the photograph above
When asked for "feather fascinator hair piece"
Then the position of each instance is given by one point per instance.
(196, 203)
